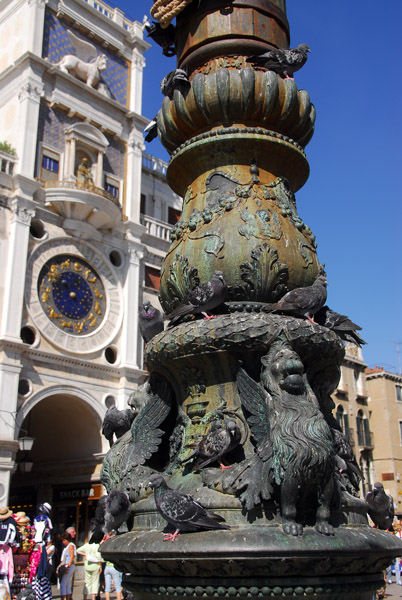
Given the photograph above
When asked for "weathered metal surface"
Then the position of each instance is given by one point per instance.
(297, 526)
(239, 97)
(253, 551)
(220, 28)
(248, 229)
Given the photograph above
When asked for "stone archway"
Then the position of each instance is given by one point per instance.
(68, 449)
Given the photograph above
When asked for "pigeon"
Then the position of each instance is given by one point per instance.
(163, 37)
(176, 79)
(151, 130)
(282, 61)
(345, 459)
(116, 422)
(218, 442)
(181, 510)
(202, 298)
(302, 302)
(150, 321)
(111, 512)
(380, 507)
(341, 324)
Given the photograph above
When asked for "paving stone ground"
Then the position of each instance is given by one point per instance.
(393, 591)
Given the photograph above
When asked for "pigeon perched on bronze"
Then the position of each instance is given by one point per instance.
(218, 442)
(151, 130)
(345, 459)
(302, 302)
(181, 510)
(202, 298)
(112, 510)
(283, 61)
(163, 37)
(340, 324)
(380, 507)
(116, 422)
(150, 321)
(175, 80)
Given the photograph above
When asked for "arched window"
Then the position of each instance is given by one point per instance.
(339, 415)
(342, 418)
(364, 435)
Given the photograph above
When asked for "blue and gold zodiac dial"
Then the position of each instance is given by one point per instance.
(72, 294)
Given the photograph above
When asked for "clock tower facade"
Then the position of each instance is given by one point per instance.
(80, 246)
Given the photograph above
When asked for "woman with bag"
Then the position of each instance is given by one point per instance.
(66, 568)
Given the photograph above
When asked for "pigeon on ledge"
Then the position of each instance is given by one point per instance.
(202, 298)
(340, 324)
(283, 61)
(345, 459)
(111, 512)
(380, 507)
(181, 510)
(163, 37)
(150, 321)
(176, 79)
(151, 130)
(302, 302)
(116, 422)
(213, 447)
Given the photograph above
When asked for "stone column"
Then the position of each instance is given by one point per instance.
(10, 369)
(35, 20)
(132, 203)
(14, 279)
(99, 170)
(137, 66)
(29, 98)
(71, 158)
(130, 345)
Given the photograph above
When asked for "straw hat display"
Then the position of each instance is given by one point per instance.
(5, 513)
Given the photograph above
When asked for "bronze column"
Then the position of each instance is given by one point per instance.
(236, 134)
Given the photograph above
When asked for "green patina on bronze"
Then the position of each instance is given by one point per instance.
(237, 135)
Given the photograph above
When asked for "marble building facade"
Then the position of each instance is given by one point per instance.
(84, 226)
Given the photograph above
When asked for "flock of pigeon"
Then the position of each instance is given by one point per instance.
(304, 302)
(186, 514)
(283, 61)
(182, 511)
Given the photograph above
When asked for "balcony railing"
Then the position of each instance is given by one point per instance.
(154, 164)
(7, 162)
(365, 439)
(114, 14)
(158, 229)
(72, 185)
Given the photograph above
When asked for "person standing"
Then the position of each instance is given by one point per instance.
(92, 569)
(8, 538)
(66, 567)
(51, 552)
(111, 573)
(72, 533)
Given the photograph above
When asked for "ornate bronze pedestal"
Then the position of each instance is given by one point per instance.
(297, 525)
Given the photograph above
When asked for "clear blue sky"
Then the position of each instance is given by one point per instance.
(352, 200)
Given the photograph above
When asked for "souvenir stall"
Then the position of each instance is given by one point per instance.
(22, 553)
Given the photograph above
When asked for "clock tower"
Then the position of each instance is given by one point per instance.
(84, 228)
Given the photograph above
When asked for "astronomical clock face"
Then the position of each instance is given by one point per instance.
(73, 295)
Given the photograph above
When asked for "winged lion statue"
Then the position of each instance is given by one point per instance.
(86, 64)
